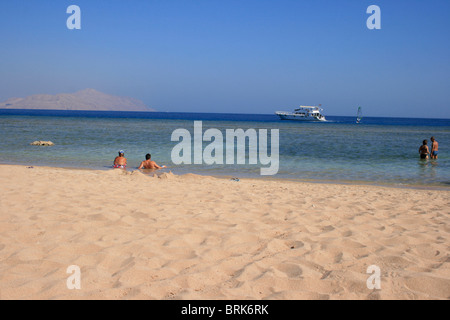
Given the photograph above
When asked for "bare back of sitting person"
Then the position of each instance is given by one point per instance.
(149, 164)
(120, 161)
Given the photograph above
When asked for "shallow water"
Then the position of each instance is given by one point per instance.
(380, 150)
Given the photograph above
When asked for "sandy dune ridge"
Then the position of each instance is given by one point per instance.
(191, 237)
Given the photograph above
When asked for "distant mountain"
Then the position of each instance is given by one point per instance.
(88, 99)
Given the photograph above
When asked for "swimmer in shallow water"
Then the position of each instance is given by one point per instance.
(149, 164)
(423, 150)
(434, 149)
(120, 161)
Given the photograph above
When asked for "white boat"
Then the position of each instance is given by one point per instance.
(303, 113)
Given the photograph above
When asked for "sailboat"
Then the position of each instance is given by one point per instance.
(359, 115)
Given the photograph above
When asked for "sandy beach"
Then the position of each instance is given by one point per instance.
(135, 236)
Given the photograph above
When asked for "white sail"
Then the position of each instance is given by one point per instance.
(359, 115)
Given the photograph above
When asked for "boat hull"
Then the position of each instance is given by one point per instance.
(294, 117)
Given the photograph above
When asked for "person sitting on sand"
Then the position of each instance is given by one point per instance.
(423, 150)
(149, 164)
(120, 161)
(434, 149)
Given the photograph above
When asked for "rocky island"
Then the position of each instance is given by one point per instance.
(87, 99)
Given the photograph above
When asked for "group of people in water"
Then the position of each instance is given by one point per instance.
(120, 162)
(425, 152)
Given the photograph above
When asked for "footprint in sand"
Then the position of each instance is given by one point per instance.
(338, 257)
(96, 217)
(127, 262)
(140, 215)
(291, 270)
(347, 233)
(295, 244)
(327, 228)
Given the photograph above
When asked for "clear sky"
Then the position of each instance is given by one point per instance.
(237, 56)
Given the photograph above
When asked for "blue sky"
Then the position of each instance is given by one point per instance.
(247, 56)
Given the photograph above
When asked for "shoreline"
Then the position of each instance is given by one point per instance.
(262, 178)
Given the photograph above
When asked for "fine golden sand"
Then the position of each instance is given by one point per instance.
(135, 236)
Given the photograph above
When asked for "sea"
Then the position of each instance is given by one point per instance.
(377, 151)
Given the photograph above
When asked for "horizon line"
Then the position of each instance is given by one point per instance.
(193, 112)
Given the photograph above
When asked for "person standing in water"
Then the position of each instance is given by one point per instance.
(423, 150)
(434, 148)
(120, 161)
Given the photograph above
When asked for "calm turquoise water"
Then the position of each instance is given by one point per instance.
(380, 150)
